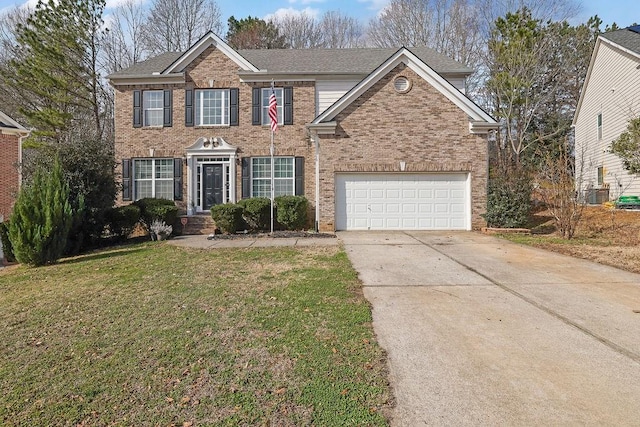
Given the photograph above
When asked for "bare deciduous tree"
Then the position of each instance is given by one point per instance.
(123, 44)
(333, 30)
(175, 25)
(340, 31)
(300, 31)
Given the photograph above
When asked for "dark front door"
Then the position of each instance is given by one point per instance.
(213, 185)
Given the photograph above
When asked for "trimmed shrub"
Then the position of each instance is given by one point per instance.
(7, 249)
(41, 218)
(160, 209)
(291, 211)
(122, 220)
(509, 201)
(228, 217)
(257, 212)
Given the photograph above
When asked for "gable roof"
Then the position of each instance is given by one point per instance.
(480, 120)
(10, 126)
(359, 61)
(626, 40)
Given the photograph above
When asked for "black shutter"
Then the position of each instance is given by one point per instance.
(233, 104)
(256, 106)
(177, 179)
(288, 105)
(168, 108)
(188, 107)
(137, 109)
(126, 180)
(299, 176)
(246, 177)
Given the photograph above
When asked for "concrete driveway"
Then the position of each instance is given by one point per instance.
(480, 331)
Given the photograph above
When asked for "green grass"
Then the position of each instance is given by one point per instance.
(157, 335)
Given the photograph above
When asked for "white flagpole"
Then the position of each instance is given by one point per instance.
(273, 191)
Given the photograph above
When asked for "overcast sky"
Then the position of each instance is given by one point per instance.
(623, 12)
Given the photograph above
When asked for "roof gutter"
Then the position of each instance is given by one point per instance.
(142, 79)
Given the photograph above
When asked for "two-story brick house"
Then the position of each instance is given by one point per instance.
(374, 138)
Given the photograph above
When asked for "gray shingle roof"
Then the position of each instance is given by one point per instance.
(626, 38)
(331, 61)
(337, 61)
(6, 125)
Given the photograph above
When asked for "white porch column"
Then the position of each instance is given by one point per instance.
(191, 208)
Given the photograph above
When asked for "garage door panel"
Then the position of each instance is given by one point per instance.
(392, 201)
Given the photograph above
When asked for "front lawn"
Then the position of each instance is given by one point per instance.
(152, 334)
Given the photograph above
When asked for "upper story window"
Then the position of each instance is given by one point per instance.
(266, 94)
(260, 105)
(152, 106)
(212, 107)
(600, 126)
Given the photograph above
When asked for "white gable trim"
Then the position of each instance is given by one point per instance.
(599, 42)
(404, 55)
(17, 129)
(209, 39)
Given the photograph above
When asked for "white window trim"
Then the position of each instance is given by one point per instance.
(145, 108)
(153, 178)
(264, 115)
(292, 178)
(199, 108)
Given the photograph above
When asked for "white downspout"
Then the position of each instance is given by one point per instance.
(316, 140)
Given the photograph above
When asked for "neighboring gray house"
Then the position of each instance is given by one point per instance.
(610, 98)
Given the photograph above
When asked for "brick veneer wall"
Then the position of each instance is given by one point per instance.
(292, 140)
(9, 151)
(421, 128)
(375, 133)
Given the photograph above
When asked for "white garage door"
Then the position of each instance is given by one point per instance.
(392, 201)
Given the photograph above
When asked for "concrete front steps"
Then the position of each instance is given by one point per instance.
(198, 224)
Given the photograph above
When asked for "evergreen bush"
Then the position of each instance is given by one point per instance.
(257, 212)
(228, 217)
(291, 211)
(509, 201)
(122, 220)
(160, 209)
(41, 218)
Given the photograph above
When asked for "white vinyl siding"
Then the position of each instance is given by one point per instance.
(613, 90)
(394, 201)
(329, 91)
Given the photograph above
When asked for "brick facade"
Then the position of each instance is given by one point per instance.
(421, 128)
(290, 140)
(375, 133)
(9, 159)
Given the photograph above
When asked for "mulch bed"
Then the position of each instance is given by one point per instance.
(276, 234)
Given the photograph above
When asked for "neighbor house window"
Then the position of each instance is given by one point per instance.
(284, 176)
(600, 175)
(153, 178)
(212, 107)
(266, 93)
(152, 105)
(600, 126)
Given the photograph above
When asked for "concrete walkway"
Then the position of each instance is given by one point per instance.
(202, 242)
(480, 331)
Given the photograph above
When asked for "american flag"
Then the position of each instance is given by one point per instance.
(273, 110)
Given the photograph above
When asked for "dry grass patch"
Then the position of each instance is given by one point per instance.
(158, 335)
(607, 236)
